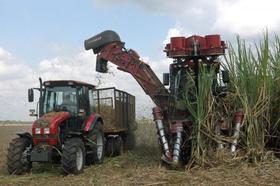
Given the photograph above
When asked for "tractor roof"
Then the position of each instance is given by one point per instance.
(67, 83)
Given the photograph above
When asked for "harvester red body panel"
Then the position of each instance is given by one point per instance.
(210, 45)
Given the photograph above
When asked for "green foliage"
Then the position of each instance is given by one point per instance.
(254, 75)
(200, 103)
(254, 87)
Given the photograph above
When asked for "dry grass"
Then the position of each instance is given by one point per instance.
(141, 167)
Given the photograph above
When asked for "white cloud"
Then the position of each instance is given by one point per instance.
(248, 17)
(4, 55)
(173, 32)
(16, 77)
(227, 17)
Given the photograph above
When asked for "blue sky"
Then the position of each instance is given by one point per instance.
(45, 39)
(34, 30)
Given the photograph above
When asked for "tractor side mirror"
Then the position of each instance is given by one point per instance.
(30, 95)
(32, 112)
(165, 79)
(101, 65)
(225, 76)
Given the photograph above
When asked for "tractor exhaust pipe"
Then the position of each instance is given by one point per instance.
(237, 120)
(164, 143)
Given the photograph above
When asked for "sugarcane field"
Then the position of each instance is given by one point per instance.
(129, 92)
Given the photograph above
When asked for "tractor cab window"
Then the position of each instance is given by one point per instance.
(92, 101)
(83, 99)
(60, 98)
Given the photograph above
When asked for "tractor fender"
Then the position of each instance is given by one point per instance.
(26, 135)
(92, 121)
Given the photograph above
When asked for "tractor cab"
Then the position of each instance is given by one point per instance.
(68, 99)
(67, 96)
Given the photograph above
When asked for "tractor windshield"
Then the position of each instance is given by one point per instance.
(60, 98)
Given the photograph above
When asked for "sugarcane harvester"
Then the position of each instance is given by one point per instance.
(173, 123)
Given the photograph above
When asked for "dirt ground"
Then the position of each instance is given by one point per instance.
(138, 167)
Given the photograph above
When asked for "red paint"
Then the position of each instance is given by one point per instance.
(198, 39)
(129, 61)
(184, 47)
(89, 122)
(177, 43)
(52, 121)
(213, 41)
(239, 116)
(157, 113)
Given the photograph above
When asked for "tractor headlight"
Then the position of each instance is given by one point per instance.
(37, 130)
(46, 130)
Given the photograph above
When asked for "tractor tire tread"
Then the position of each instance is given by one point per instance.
(14, 155)
(68, 159)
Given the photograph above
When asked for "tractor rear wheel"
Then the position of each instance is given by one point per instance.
(97, 149)
(18, 160)
(73, 156)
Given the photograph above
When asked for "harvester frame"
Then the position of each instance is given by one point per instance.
(174, 124)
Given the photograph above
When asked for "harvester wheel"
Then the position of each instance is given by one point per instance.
(98, 149)
(73, 156)
(18, 161)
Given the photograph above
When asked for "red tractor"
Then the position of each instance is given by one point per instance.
(77, 126)
(173, 122)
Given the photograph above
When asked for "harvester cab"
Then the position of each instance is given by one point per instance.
(71, 127)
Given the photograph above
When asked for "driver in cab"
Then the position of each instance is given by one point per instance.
(69, 105)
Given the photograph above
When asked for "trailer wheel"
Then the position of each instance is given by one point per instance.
(98, 149)
(114, 146)
(18, 160)
(119, 146)
(73, 156)
(129, 141)
(110, 147)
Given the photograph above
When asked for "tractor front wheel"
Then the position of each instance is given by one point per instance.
(73, 156)
(18, 159)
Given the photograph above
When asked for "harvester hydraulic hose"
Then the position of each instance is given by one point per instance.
(164, 143)
(177, 147)
(238, 119)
